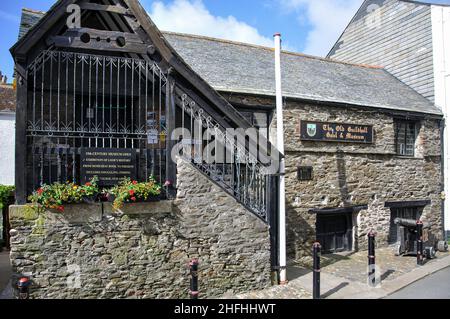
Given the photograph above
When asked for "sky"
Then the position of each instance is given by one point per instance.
(308, 26)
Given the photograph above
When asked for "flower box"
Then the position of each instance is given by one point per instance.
(129, 192)
(79, 213)
(141, 208)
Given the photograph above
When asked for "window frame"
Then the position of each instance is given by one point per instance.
(398, 123)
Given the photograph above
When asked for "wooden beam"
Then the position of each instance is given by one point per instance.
(72, 42)
(171, 166)
(104, 35)
(136, 27)
(149, 27)
(106, 8)
(411, 203)
(21, 134)
(114, 21)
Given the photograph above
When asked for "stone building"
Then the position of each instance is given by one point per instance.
(362, 148)
(350, 188)
(410, 39)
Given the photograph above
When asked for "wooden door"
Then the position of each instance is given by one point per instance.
(334, 232)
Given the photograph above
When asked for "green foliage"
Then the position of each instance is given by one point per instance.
(5, 194)
(129, 191)
(56, 195)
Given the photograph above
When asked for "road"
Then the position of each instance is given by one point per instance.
(436, 286)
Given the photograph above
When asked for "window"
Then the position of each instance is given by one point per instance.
(405, 136)
(305, 173)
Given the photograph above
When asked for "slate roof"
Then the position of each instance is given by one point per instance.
(7, 98)
(28, 20)
(427, 3)
(244, 68)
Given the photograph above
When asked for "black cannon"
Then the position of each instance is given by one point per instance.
(414, 238)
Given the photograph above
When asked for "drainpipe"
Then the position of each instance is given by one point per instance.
(443, 166)
(280, 146)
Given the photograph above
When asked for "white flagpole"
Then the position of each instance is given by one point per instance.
(280, 146)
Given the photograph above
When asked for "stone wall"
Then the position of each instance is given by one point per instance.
(350, 174)
(91, 251)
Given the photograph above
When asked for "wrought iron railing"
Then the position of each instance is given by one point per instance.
(78, 100)
(239, 172)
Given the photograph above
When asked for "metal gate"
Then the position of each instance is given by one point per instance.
(80, 100)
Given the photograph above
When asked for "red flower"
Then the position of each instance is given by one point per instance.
(135, 182)
(61, 209)
(133, 199)
(132, 192)
(88, 184)
(40, 191)
(168, 183)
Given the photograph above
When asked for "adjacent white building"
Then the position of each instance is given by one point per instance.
(411, 40)
(7, 134)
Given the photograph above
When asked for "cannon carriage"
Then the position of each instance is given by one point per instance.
(407, 239)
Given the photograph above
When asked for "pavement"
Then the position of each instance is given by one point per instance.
(440, 281)
(5, 274)
(342, 277)
(345, 277)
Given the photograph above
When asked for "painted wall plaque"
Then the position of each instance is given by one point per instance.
(336, 132)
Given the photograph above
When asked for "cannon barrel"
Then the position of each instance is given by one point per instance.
(409, 223)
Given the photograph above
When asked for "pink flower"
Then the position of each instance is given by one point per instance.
(168, 183)
(133, 199)
(132, 192)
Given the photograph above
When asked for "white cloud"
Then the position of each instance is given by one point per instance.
(10, 17)
(191, 16)
(327, 18)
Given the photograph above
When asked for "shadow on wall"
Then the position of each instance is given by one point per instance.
(342, 178)
(301, 225)
(301, 234)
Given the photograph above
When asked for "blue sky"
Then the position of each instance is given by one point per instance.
(310, 26)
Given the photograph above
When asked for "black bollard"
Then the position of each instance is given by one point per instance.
(371, 255)
(193, 265)
(419, 242)
(24, 285)
(316, 270)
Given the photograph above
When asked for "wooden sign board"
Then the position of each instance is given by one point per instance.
(336, 132)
